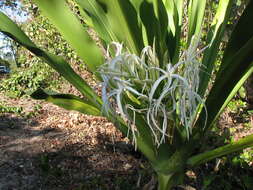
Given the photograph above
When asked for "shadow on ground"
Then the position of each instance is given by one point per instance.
(36, 157)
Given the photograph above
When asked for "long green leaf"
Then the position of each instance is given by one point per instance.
(149, 21)
(236, 88)
(221, 151)
(124, 22)
(85, 16)
(235, 64)
(196, 12)
(162, 17)
(144, 139)
(225, 84)
(214, 38)
(67, 101)
(174, 10)
(136, 4)
(240, 36)
(12, 30)
(73, 31)
(155, 20)
(99, 19)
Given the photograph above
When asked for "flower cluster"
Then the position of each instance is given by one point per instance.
(166, 97)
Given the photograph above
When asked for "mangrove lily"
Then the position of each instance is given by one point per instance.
(155, 81)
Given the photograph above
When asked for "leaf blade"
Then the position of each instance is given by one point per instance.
(214, 38)
(218, 152)
(175, 16)
(67, 101)
(196, 14)
(236, 63)
(99, 19)
(13, 31)
(123, 14)
(73, 31)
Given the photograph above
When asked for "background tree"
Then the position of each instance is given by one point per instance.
(9, 49)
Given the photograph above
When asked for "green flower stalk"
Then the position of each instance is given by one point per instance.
(164, 96)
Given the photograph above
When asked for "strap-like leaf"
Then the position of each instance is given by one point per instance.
(196, 14)
(136, 4)
(144, 137)
(12, 30)
(221, 151)
(155, 20)
(174, 10)
(123, 20)
(99, 19)
(149, 21)
(67, 101)
(237, 87)
(235, 65)
(73, 31)
(214, 38)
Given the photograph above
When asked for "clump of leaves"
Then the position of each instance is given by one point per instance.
(23, 81)
(10, 109)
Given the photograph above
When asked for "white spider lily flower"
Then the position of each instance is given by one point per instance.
(164, 96)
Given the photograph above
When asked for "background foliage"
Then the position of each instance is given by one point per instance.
(30, 72)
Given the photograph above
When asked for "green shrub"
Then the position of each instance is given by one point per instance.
(24, 81)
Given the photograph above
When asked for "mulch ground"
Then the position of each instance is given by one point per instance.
(56, 149)
(49, 148)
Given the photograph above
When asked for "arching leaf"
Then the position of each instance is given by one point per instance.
(67, 101)
(73, 31)
(13, 31)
